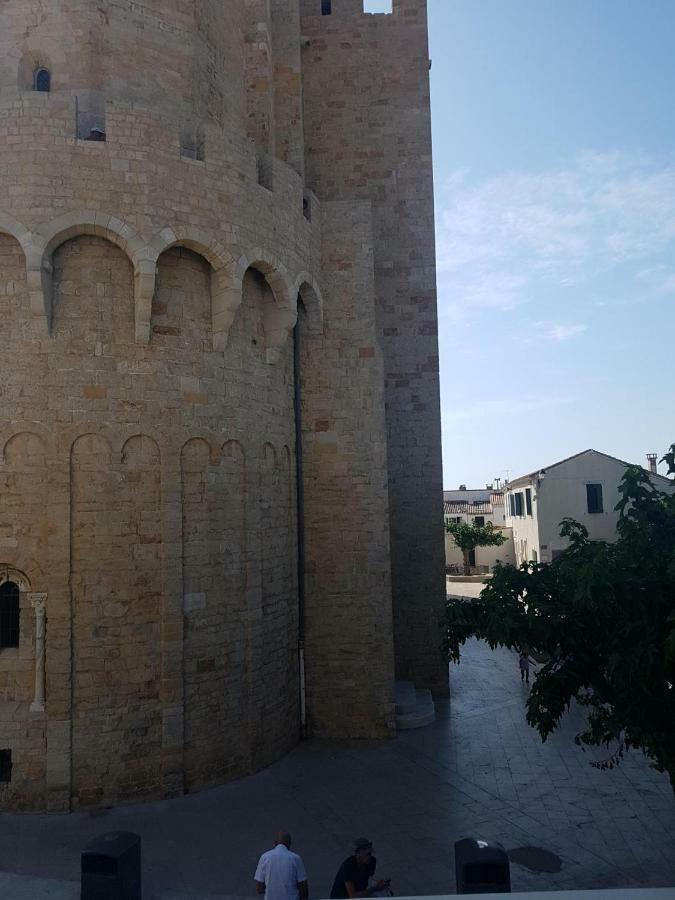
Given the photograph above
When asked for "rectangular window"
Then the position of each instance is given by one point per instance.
(518, 501)
(5, 765)
(528, 501)
(594, 498)
(479, 520)
(512, 505)
(326, 7)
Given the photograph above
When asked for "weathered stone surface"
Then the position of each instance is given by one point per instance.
(149, 287)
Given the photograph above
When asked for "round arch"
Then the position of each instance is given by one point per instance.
(225, 296)
(53, 234)
(81, 222)
(306, 288)
(274, 271)
(279, 318)
(196, 239)
(12, 227)
(21, 580)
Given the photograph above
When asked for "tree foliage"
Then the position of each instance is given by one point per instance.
(603, 616)
(468, 537)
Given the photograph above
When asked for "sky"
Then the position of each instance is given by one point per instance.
(554, 144)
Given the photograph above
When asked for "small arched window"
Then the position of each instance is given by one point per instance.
(9, 614)
(42, 80)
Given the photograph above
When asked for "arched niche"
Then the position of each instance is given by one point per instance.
(49, 237)
(280, 316)
(308, 292)
(225, 296)
(92, 282)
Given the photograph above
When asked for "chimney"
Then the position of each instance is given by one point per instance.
(651, 463)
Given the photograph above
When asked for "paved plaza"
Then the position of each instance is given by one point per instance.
(479, 771)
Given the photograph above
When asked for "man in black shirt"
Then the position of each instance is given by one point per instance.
(355, 873)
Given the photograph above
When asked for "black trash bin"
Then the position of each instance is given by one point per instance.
(111, 867)
(481, 868)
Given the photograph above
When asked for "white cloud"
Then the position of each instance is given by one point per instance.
(554, 331)
(659, 281)
(486, 410)
(561, 333)
(500, 242)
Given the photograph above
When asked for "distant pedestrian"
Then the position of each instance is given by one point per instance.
(281, 873)
(524, 665)
(355, 873)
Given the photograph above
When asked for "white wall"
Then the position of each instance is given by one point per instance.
(526, 543)
(561, 494)
(485, 556)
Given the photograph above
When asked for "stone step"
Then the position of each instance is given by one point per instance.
(423, 697)
(423, 713)
(406, 699)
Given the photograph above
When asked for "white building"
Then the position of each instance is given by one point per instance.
(584, 487)
(477, 507)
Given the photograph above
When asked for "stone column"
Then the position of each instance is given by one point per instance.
(38, 602)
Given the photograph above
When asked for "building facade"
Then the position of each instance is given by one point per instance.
(477, 507)
(474, 506)
(220, 476)
(584, 487)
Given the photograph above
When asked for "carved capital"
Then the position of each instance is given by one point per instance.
(38, 601)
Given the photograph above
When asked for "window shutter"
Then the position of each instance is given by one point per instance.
(594, 498)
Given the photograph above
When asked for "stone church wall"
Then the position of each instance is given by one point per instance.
(368, 138)
(149, 288)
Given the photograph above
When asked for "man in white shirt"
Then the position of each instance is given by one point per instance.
(281, 873)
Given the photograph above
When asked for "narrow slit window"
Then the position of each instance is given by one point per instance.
(42, 80)
(192, 144)
(5, 765)
(9, 615)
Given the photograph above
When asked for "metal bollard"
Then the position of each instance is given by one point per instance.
(481, 868)
(111, 867)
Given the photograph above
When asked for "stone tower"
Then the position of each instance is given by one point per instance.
(219, 373)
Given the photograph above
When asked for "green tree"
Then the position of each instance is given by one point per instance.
(603, 616)
(468, 537)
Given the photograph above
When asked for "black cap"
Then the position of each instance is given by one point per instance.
(362, 844)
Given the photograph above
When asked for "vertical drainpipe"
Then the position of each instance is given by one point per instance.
(300, 500)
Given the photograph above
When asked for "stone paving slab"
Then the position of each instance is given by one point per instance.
(478, 771)
(23, 887)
